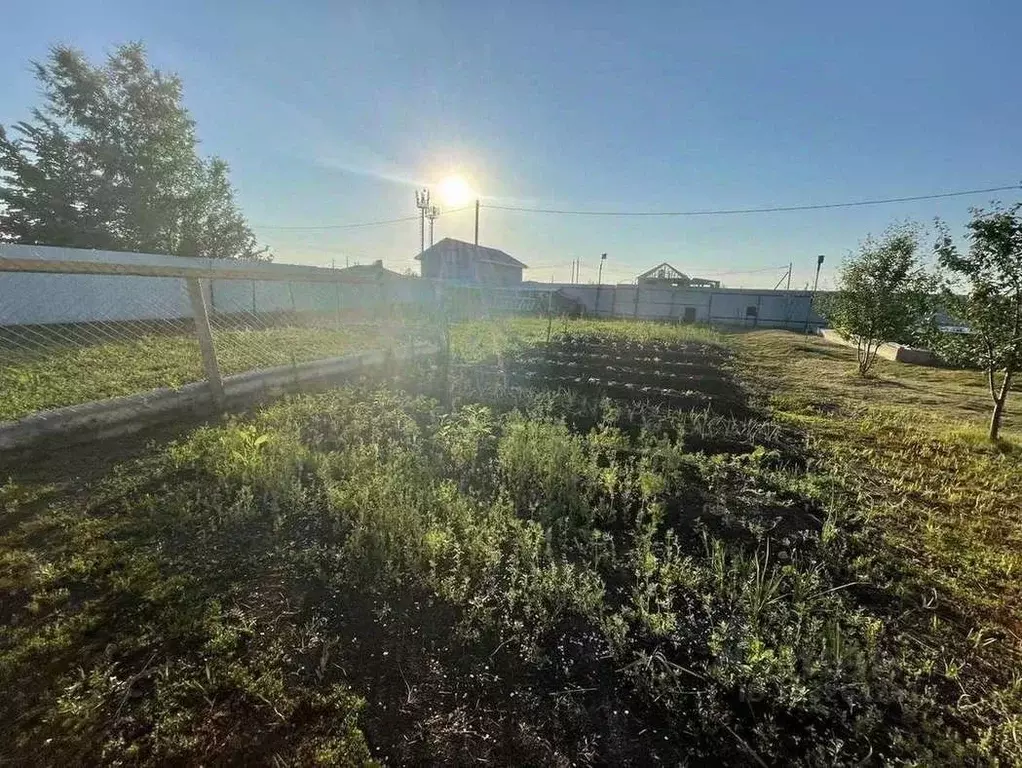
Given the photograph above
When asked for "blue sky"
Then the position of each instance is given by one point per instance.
(333, 112)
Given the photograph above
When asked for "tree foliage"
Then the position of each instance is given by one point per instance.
(883, 293)
(991, 305)
(109, 161)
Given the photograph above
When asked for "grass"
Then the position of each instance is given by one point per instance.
(534, 574)
(912, 440)
(809, 375)
(909, 446)
(61, 374)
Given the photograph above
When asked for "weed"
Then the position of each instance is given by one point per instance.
(526, 574)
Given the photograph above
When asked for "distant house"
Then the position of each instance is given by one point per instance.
(452, 259)
(375, 272)
(666, 276)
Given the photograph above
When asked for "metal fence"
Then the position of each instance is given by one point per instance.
(87, 333)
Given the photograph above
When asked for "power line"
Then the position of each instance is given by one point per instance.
(356, 224)
(711, 212)
(745, 271)
(338, 226)
(770, 209)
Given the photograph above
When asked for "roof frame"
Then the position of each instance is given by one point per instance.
(663, 271)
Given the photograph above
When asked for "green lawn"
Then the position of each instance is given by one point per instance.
(944, 505)
(910, 444)
(535, 576)
(61, 374)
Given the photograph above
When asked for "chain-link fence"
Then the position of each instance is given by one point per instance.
(78, 328)
(70, 339)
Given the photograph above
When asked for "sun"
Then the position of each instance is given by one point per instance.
(455, 192)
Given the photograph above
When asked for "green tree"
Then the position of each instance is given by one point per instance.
(109, 161)
(883, 293)
(991, 305)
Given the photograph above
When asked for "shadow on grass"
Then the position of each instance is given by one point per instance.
(818, 350)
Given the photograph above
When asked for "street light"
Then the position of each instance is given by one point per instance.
(599, 281)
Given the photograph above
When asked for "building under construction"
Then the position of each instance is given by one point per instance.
(665, 276)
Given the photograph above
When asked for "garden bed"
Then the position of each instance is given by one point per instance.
(515, 570)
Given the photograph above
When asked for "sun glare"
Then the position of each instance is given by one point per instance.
(455, 192)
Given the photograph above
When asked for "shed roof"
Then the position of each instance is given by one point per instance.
(375, 271)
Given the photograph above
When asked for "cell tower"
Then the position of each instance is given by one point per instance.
(422, 203)
(432, 214)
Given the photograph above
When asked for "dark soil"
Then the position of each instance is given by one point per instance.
(685, 377)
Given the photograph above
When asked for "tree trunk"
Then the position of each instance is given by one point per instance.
(867, 356)
(1002, 396)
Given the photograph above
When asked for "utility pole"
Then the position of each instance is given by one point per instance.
(812, 296)
(785, 276)
(422, 203)
(477, 221)
(599, 281)
(432, 214)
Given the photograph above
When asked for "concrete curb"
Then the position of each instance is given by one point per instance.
(888, 350)
(118, 416)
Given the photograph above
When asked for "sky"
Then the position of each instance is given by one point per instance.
(334, 113)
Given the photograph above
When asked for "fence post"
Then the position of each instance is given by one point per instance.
(294, 307)
(337, 311)
(445, 350)
(549, 314)
(205, 336)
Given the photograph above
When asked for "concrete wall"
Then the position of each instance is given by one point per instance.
(37, 298)
(30, 298)
(725, 306)
(261, 296)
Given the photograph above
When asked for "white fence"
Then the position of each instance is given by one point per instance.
(80, 286)
(716, 306)
(81, 297)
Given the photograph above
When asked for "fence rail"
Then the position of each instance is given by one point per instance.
(81, 327)
(71, 261)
